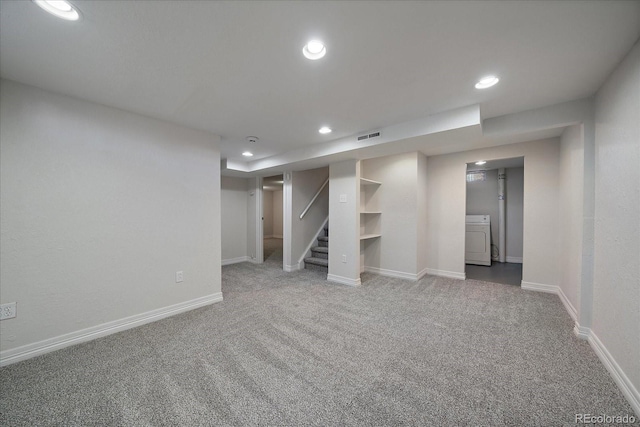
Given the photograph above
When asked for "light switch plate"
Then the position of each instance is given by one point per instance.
(343, 198)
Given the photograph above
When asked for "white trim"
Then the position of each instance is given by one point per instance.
(314, 240)
(394, 273)
(567, 305)
(514, 259)
(294, 267)
(623, 382)
(236, 260)
(539, 287)
(343, 280)
(421, 273)
(444, 273)
(581, 332)
(28, 351)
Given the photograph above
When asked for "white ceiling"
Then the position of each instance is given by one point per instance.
(236, 68)
(514, 162)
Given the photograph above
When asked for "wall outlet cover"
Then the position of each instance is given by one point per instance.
(8, 311)
(179, 276)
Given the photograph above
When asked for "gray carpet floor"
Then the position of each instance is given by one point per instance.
(290, 349)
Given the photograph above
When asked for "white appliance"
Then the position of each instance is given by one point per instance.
(478, 240)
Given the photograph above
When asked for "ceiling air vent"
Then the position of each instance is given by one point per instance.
(371, 135)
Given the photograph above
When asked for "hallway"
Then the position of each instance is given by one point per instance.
(272, 251)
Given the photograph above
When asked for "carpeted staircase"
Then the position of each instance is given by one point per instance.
(319, 259)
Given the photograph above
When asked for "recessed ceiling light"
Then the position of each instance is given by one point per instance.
(324, 130)
(60, 8)
(480, 162)
(247, 154)
(314, 50)
(486, 82)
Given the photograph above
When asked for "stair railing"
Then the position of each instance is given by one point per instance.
(304, 212)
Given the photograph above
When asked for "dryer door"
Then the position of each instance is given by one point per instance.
(478, 245)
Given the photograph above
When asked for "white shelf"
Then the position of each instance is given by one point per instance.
(365, 181)
(371, 212)
(369, 236)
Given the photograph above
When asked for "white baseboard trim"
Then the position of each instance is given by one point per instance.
(539, 287)
(343, 280)
(294, 267)
(567, 305)
(618, 375)
(444, 273)
(235, 260)
(581, 332)
(514, 259)
(421, 273)
(28, 351)
(391, 273)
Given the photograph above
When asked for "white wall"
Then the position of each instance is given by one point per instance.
(446, 185)
(514, 213)
(422, 216)
(233, 201)
(344, 225)
(482, 199)
(305, 184)
(267, 213)
(277, 213)
(570, 215)
(616, 293)
(397, 251)
(99, 208)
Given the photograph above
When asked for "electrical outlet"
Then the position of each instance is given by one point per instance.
(179, 277)
(8, 311)
(344, 258)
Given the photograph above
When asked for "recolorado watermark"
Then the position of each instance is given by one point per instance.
(604, 419)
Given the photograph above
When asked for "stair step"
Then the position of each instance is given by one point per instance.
(323, 238)
(316, 261)
(320, 252)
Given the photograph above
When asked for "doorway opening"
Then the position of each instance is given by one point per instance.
(272, 220)
(494, 221)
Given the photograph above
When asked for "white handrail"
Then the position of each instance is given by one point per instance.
(304, 212)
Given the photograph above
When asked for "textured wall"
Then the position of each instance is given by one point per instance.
(571, 208)
(616, 293)
(99, 209)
